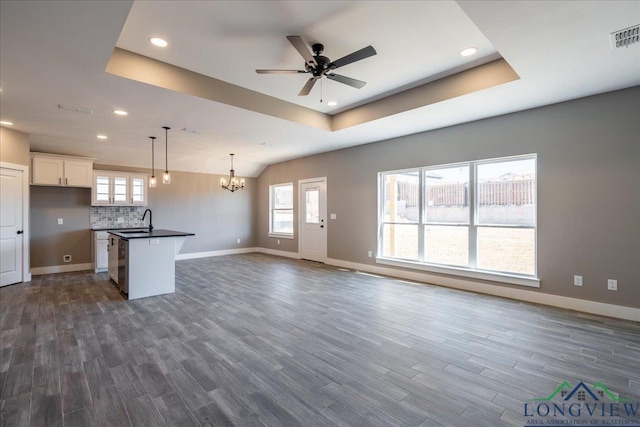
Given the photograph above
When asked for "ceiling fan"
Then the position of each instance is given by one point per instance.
(319, 65)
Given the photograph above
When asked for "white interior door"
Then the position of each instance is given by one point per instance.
(312, 240)
(11, 232)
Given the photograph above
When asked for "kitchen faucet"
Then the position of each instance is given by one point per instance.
(150, 218)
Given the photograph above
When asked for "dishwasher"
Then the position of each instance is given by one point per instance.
(123, 268)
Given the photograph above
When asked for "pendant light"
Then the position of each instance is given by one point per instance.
(233, 184)
(166, 176)
(152, 180)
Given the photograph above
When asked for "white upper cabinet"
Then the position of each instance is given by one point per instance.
(49, 169)
(118, 189)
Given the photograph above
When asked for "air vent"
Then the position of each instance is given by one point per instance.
(75, 109)
(626, 37)
(194, 131)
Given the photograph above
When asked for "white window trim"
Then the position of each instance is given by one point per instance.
(282, 236)
(512, 279)
(496, 276)
(271, 233)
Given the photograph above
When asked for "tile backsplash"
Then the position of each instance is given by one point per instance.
(107, 216)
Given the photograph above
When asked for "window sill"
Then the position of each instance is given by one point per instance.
(282, 236)
(532, 282)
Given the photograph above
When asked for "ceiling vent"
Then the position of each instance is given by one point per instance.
(626, 37)
(194, 131)
(75, 109)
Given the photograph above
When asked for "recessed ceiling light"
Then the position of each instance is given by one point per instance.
(332, 103)
(120, 112)
(6, 123)
(468, 51)
(102, 136)
(158, 41)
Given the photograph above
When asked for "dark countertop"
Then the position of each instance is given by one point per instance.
(150, 235)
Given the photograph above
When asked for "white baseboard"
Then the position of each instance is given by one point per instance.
(208, 254)
(65, 268)
(586, 306)
(276, 252)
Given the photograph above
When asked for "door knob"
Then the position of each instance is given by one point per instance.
(19, 232)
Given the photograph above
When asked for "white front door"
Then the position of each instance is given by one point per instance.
(313, 219)
(11, 232)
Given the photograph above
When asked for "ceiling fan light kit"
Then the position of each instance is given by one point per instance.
(318, 65)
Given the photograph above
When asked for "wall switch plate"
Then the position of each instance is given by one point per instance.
(278, 241)
(370, 253)
(612, 284)
(333, 216)
(60, 221)
(577, 280)
(237, 240)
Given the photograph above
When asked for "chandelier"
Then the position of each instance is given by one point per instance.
(232, 184)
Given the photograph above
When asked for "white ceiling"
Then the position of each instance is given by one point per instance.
(56, 52)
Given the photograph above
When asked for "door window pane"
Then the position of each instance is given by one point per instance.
(447, 195)
(510, 250)
(400, 241)
(446, 245)
(312, 206)
(506, 193)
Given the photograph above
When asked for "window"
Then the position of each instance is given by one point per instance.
(281, 210)
(477, 217)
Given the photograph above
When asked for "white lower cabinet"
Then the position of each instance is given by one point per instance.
(101, 254)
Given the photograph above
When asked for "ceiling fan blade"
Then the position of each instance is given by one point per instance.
(358, 84)
(308, 86)
(280, 71)
(353, 57)
(302, 49)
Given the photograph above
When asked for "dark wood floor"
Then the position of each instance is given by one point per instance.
(258, 340)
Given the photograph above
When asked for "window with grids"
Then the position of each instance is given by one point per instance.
(281, 209)
(478, 216)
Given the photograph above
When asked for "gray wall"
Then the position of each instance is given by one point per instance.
(14, 146)
(50, 241)
(193, 202)
(588, 188)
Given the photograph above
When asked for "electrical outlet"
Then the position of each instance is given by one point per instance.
(60, 221)
(237, 240)
(278, 241)
(120, 219)
(612, 285)
(370, 254)
(577, 280)
(66, 258)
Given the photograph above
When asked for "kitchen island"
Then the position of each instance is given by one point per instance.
(146, 261)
